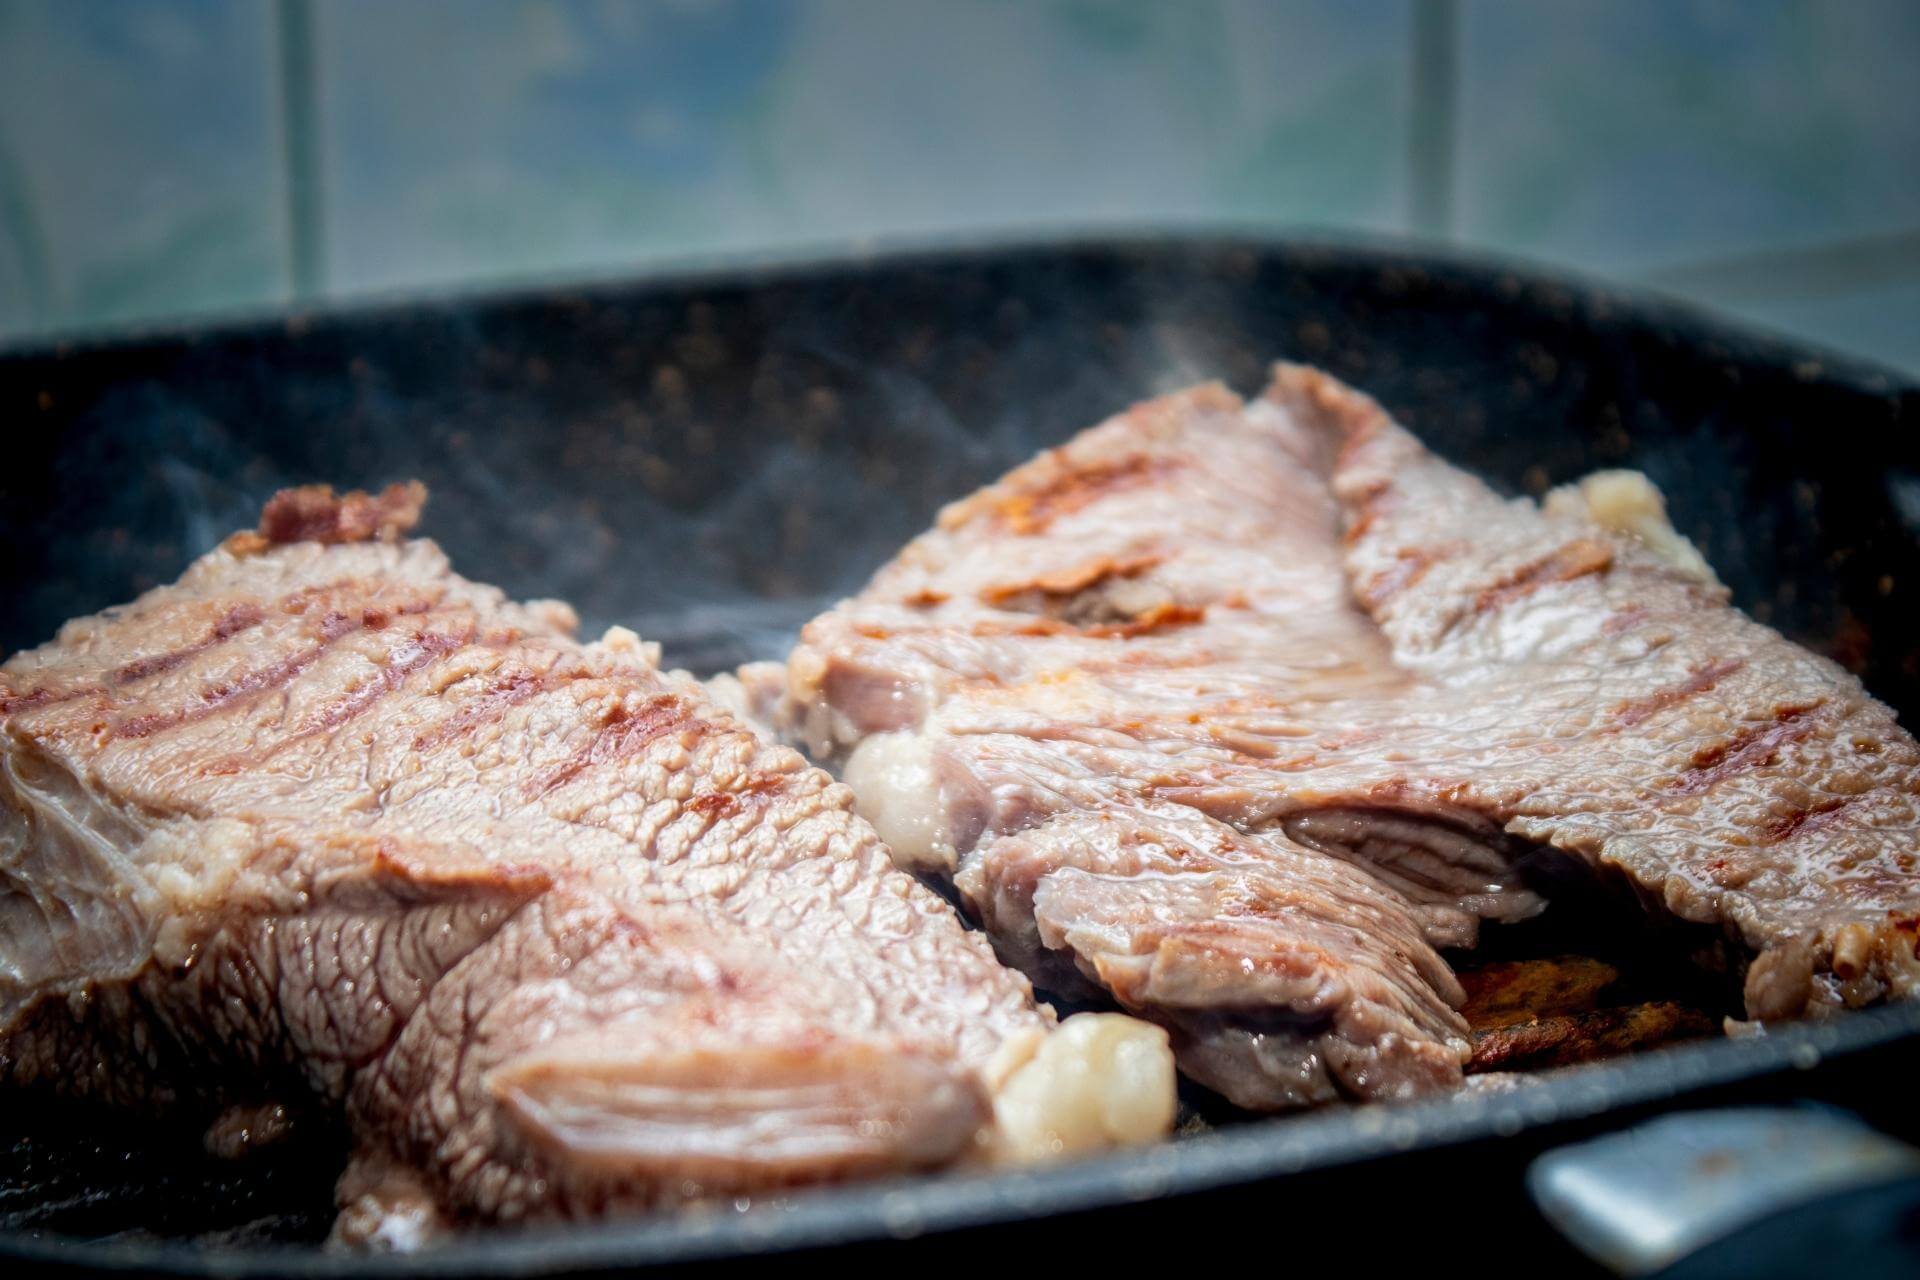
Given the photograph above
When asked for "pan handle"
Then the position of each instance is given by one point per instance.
(1723, 1192)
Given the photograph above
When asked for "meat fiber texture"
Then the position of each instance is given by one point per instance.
(324, 823)
(1236, 711)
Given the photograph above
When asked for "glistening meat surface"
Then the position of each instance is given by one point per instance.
(1386, 695)
(325, 823)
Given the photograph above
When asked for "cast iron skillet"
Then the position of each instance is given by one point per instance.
(709, 457)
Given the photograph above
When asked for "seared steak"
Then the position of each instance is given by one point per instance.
(1139, 696)
(325, 822)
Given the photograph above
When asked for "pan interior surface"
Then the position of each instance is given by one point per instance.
(711, 459)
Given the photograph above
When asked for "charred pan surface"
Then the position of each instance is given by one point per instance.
(324, 821)
(1379, 666)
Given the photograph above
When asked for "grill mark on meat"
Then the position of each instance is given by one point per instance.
(1033, 510)
(1577, 559)
(754, 791)
(240, 618)
(491, 704)
(1627, 619)
(1071, 582)
(1569, 1039)
(1753, 746)
(374, 617)
(1635, 710)
(621, 736)
(421, 651)
(37, 697)
(1411, 566)
(1806, 821)
(333, 626)
(715, 805)
(415, 654)
(1162, 617)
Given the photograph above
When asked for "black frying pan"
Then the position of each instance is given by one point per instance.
(710, 457)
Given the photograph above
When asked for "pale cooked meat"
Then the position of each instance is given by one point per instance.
(1290, 618)
(324, 821)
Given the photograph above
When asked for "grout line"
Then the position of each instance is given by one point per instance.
(20, 224)
(300, 149)
(1801, 271)
(1433, 107)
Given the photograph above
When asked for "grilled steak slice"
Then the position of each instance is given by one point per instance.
(325, 821)
(1081, 695)
(1289, 619)
(1611, 704)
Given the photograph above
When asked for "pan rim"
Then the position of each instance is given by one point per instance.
(907, 1208)
(1503, 272)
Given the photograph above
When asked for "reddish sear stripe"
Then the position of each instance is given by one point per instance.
(1634, 710)
(1624, 621)
(39, 697)
(1030, 511)
(418, 652)
(332, 627)
(1750, 748)
(490, 704)
(410, 657)
(621, 736)
(1807, 821)
(242, 617)
(1411, 566)
(1577, 559)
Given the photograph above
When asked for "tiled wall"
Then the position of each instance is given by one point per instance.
(161, 159)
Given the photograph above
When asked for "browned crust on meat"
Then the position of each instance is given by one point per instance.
(757, 789)
(1159, 618)
(1585, 1037)
(1081, 577)
(624, 732)
(1808, 821)
(333, 626)
(1511, 992)
(1752, 747)
(419, 652)
(1409, 567)
(1577, 559)
(1634, 710)
(1063, 489)
(315, 513)
(242, 617)
(508, 690)
(1162, 617)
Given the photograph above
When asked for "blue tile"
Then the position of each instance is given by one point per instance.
(1639, 133)
(507, 138)
(139, 161)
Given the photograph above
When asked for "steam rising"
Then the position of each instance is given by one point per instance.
(710, 476)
